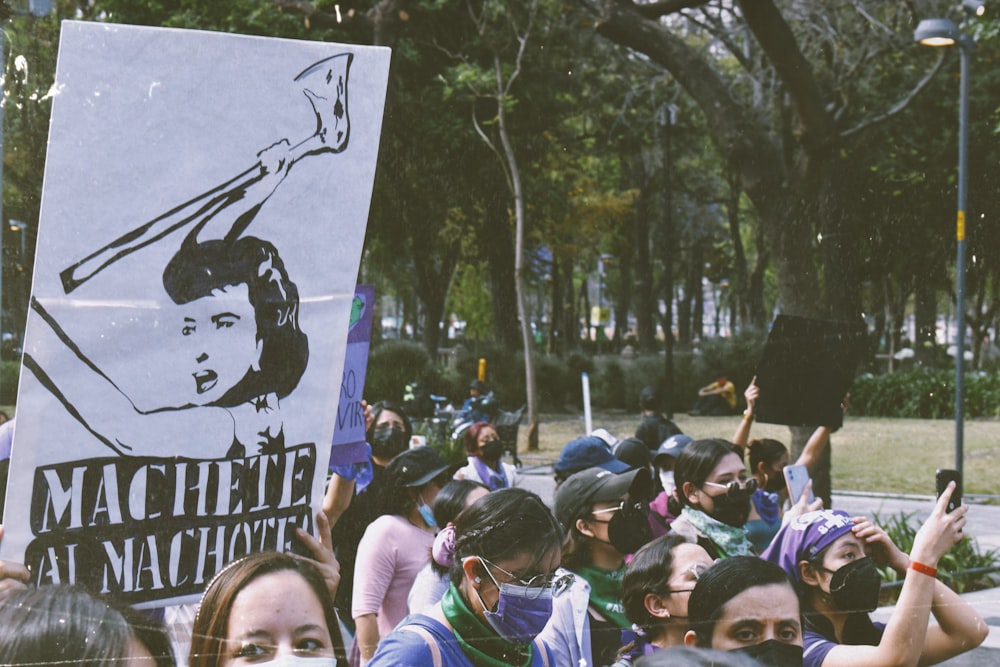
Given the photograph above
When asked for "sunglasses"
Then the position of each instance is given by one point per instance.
(734, 487)
(641, 507)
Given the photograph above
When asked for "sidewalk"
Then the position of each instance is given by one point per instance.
(983, 525)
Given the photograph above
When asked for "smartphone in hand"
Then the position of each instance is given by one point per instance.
(941, 479)
(796, 478)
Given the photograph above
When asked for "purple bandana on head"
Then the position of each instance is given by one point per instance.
(804, 537)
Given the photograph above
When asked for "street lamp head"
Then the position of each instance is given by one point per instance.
(936, 32)
(974, 7)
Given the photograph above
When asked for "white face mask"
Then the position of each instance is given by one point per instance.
(301, 661)
(667, 480)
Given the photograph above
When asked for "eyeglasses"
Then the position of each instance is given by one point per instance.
(641, 507)
(538, 584)
(695, 571)
(736, 485)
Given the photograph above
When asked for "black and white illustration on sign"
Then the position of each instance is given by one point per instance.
(203, 214)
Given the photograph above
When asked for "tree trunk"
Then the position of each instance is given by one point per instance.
(925, 319)
(520, 264)
(557, 336)
(498, 250)
(643, 272)
(739, 286)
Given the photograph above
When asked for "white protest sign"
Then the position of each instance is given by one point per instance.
(202, 221)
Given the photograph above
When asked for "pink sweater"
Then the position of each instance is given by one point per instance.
(390, 555)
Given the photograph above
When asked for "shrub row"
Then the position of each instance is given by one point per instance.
(925, 394)
(615, 382)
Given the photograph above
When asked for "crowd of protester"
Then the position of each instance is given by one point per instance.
(658, 550)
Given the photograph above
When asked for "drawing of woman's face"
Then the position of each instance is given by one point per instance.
(221, 343)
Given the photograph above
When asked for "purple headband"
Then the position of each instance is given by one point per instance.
(804, 537)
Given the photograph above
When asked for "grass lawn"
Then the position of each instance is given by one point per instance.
(869, 453)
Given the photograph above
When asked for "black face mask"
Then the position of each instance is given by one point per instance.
(733, 506)
(629, 529)
(855, 586)
(774, 483)
(388, 442)
(492, 450)
(773, 653)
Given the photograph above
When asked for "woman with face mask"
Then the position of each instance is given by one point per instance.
(503, 581)
(768, 459)
(396, 546)
(664, 460)
(356, 495)
(605, 516)
(655, 590)
(832, 559)
(747, 605)
(713, 494)
(432, 581)
(484, 447)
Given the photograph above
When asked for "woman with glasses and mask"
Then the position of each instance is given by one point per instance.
(713, 498)
(484, 447)
(605, 516)
(747, 605)
(655, 590)
(504, 555)
(832, 559)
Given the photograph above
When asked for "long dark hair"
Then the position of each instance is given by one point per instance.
(766, 451)
(391, 406)
(696, 463)
(721, 583)
(450, 502)
(502, 525)
(211, 623)
(52, 625)
(198, 268)
(648, 573)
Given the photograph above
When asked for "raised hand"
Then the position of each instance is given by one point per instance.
(322, 550)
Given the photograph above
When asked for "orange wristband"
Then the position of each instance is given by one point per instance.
(923, 569)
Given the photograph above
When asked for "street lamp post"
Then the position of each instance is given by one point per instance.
(940, 33)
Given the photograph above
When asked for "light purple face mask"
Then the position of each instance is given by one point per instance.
(521, 612)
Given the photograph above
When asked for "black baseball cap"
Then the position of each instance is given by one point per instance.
(416, 467)
(577, 495)
(633, 451)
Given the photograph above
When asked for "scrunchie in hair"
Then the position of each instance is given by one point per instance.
(443, 550)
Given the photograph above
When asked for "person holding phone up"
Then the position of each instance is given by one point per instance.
(832, 559)
(767, 459)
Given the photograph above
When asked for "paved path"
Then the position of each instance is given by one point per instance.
(983, 525)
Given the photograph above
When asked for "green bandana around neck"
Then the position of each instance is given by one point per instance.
(606, 592)
(483, 646)
(731, 541)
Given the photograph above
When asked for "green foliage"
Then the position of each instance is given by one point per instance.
(924, 394)
(953, 566)
(608, 384)
(391, 365)
(9, 374)
(469, 299)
